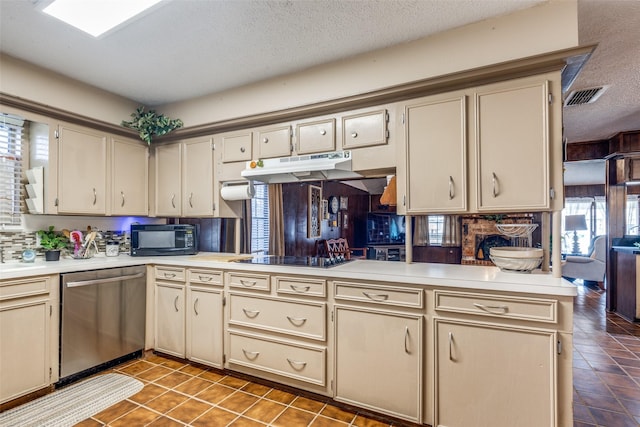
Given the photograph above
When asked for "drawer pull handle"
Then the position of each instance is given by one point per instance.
(95, 197)
(122, 194)
(195, 306)
(251, 355)
(297, 321)
(298, 366)
(376, 297)
(173, 201)
(175, 303)
(191, 200)
(406, 339)
(169, 275)
(247, 283)
(451, 346)
(205, 278)
(492, 308)
(242, 149)
(251, 313)
(299, 288)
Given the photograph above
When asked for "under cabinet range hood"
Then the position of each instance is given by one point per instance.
(312, 167)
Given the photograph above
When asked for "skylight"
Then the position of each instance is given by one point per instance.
(97, 16)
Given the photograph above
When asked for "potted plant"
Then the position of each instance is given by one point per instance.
(150, 124)
(52, 243)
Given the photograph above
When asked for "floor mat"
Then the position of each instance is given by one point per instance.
(72, 404)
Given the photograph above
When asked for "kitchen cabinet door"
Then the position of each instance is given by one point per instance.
(364, 129)
(129, 177)
(378, 357)
(494, 376)
(82, 171)
(316, 137)
(168, 177)
(436, 154)
(273, 141)
(512, 145)
(197, 175)
(204, 326)
(236, 147)
(170, 319)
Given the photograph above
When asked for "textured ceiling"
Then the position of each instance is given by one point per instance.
(187, 48)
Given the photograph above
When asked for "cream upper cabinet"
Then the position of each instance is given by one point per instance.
(82, 170)
(436, 154)
(28, 336)
(168, 180)
(364, 129)
(512, 145)
(197, 177)
(273, 141)
(316, 136)
(236, 146)
(129, 177)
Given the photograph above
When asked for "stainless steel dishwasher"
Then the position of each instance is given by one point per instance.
(102, 319)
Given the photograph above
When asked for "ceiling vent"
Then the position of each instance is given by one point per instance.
(584, 96)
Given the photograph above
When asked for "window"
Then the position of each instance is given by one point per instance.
(260, 220)
(11, 158)
(632, 223)
(436, 228)
(594, 210)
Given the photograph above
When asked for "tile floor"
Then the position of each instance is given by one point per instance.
(606, 386)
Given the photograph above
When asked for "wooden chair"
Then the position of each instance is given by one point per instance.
(340, 247)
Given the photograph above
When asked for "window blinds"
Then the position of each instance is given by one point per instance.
(12, 135)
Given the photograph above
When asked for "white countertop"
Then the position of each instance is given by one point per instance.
(447, 275)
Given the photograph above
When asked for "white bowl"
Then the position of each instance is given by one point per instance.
(518, 259)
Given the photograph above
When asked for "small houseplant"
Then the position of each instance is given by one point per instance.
(52, 243)
(150, 124)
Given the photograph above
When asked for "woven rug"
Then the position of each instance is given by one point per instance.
(74, 403)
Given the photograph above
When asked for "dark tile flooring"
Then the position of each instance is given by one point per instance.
(606, 364)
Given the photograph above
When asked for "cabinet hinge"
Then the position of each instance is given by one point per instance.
(550, 98)
(56, 202)
(387, 134)
(224, 301)
(386, 117)
(332, 315)
(213, 206)
(559, 347)
(552, 193)
(404, 200)
(224, 359)
(213, 146)
(50, 310)
(50, 372)
(331, 385)
(291, 147)
(56, 133)
(402, 118)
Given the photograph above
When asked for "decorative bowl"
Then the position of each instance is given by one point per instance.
(516, 259)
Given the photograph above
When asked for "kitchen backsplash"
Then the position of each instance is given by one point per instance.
(12, 244)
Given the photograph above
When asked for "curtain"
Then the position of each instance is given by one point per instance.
(276, 220)
(421, 231)
(451, 231)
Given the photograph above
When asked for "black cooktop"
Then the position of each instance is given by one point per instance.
(301, 261)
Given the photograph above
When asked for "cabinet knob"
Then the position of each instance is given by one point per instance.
(242, 150)
(265, 140)
(354, 134)
(323, 132)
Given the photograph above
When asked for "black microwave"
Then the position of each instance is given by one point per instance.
(170, 239)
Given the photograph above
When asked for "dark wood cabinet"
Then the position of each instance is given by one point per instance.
(437, 254)
(625, 268)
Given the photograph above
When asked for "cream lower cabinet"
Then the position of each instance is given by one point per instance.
(379, 349)
(28, 336)
(279, 338)
(492, 375)
(501, 358)
(170, 306)
(205, 317)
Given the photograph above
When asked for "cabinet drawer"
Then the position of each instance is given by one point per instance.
(301, 286)
(24, 288)
(293, 360)
(205, 277)
(236, 148)
(176, 274)
(365, 129)
(387, 295)
(274, 142)
(533, 309)
(258, 282)
(300, 318)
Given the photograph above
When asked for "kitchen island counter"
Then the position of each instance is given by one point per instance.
(455, 276)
